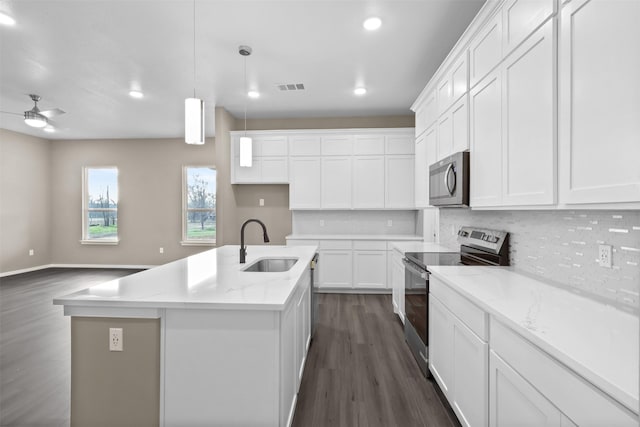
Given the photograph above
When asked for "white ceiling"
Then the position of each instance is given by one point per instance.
(84, 56)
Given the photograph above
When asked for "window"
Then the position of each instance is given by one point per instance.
(100, 205)
(199, 205)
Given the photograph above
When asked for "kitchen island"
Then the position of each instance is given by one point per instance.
(230, 344)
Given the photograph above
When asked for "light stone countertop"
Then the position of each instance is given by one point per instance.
(382, 237)
(213, 279)
(597, 341)
(405, 247)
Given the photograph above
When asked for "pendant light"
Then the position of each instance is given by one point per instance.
(194, 107)
(246, 148)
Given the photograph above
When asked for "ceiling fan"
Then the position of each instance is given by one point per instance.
(36, 117)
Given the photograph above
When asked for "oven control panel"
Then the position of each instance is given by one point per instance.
(490, 239)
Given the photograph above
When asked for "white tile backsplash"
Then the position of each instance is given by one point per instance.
(354, 222)
(562, 247)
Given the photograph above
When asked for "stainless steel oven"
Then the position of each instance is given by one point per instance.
(477, 247)
(449, 181)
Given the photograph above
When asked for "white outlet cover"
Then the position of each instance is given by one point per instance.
(322, 223)
(115, 339)
(161, 250)
(31, 252)
(389, 223)
(604, 255)
(261, 202)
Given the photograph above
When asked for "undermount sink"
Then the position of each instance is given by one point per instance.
(272, 265)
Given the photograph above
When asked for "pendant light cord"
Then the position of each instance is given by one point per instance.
(245, 94)
(194, 48)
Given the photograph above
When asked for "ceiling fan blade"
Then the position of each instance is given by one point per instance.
(52, 113)
(11, 112)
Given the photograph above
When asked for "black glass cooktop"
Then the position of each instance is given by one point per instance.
(425, 259)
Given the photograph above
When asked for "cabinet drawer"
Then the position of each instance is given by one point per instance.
(471, 315)
(335, 244)
(370, 245)
(583, 403)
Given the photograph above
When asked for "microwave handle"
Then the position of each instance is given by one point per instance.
(446, 179)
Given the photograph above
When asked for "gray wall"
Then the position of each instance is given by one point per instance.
(25, 201)
(562, 247)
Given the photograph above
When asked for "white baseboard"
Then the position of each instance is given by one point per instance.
(107, 266)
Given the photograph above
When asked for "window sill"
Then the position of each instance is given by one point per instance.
(211, 243)
(100, 242)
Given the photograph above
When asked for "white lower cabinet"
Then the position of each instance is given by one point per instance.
(458, 356)
(303, 331)
(397, 283)
(514, 401)
(335, 264)
(370, 265)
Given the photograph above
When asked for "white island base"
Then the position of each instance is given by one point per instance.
(232, 344)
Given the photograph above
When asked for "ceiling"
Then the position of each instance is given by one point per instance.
(84, 56)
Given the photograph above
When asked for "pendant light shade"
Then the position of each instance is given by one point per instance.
(194, 121)
(246, 151)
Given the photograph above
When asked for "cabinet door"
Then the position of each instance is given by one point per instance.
(398, 144)
(514, 401)
(335, 268)
(370, 269)
(599, 102)
(460, 125)
(470, 376)
(426, 113)
(521, 18)
(336, 145)
(399, 180)
(445, 136)
(270, 145)
(288, 371)
(445, 93)
(248, 175)
(485, 50)
(368, 144)
(441, 345)
(304, 145)
(421, 173)
(368, 182)
(459, 78)
(304, 187)
(335, 188)
(398, 283)
(486, 142)
(275, 170)
(528, 105)
(431, 140)
(303, 330)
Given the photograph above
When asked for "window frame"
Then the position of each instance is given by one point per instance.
(85, 240)
(185, 208)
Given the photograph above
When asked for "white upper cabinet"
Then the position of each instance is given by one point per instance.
(336, 145)
(599, 62)
(368, 144)
(304, 145)
(485, 50)
(421, 187)
(368, 182)
(426, 112)
(521, 18)
(486, 142)
(399, 182)
(335, 187)
(269, 160)
(304, 189)
(453, 129)
(453, 85)
(528, 109)
(399, 144)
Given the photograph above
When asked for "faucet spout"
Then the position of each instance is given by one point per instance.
(243, 248)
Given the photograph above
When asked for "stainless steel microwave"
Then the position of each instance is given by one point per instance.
(449, 181)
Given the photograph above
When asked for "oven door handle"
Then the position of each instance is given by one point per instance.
(423, 274)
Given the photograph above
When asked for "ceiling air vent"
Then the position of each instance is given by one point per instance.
(291, 86)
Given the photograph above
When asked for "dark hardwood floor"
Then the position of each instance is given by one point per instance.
(360, 371)
(35, 344)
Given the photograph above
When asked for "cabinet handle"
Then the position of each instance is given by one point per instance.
(446, 179)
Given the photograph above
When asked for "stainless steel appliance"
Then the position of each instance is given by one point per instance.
(477, 247)
(449, 181)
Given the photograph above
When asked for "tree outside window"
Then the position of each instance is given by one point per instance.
(199, 213)
(100, 219)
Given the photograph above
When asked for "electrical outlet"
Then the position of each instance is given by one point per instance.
(31, 252)
(115, 339)
(604, 256)
(161, 250)
(261, 202)
(389, 223)
(322, 223)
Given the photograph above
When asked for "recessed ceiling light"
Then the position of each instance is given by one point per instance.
(254, 94)
(6, 19)
(372, 23)
(136, 94)
(360, 91)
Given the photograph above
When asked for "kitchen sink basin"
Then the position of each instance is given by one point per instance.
(272, 265)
